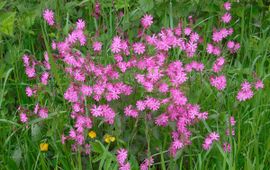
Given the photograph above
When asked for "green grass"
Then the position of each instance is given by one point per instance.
(19, 144)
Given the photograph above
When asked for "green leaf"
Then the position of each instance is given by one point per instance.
(7, 23)
(2, 4)
(108, 163)
(146, 5)
(96, 147)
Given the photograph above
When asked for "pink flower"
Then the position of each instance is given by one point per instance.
(147, 21)
(146, 163)
(152, 103)
(216, 51)
(30, 71)
(207, 144)
(43, 113)
(96, 11)
(210, 48)
(244, 95)
(203, 115)
(104, 110)
(162, 120)
(63, 139)
(230, 132)
(230, 44)
(227, 6)
(121, 156)
(194, 37)
(177, 144)
(236, 47)
(86, 90)
(163, 88)
(218, 65)
(176, 73)
(218, 82)
(36, 108)
(178, 97)
(245, 92)
(125, 166)
(217, 36)
(80, 24)
(96, 111)
(140, 105)
(214, 136)
(23, 117)
(44, 78)
(116, 45)
(139, 48)
(259, 85)
(97, 46)
(26, 60)
(72, 133)
(232, 121)
(227, 147)
(209, 140)
(187, 31)
(48, 16)
(226, 18)
(130, 112)
(245, 86)
(71, 94)
(87, 148)
(53, 45)
(76, 107)
(29, 91)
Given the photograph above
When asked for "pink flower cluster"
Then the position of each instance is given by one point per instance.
(41, 112)
(146, 163)
(218, 65)
(95, 88)
(209, 140)
(218, 82)
(233, 46)
(229, 132)
(31, 65)
(246, 91)
(226, 18)
(122, 155)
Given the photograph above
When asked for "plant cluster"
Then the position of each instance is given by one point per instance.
(162, 80)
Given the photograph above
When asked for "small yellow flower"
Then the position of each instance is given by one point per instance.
(108, 138)
(112, 138)
(43, 147)
(92, 134)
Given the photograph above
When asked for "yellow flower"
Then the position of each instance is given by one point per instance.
(43, 147)
(108, 138)
(92, 134)
(112, 138)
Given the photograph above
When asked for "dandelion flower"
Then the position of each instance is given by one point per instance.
(44, 147)
(108, 138)
(92, 134)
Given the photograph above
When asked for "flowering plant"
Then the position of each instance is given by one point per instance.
(144, 82)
